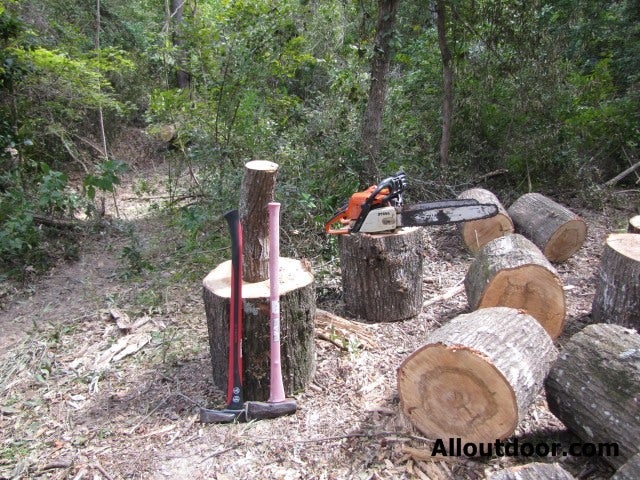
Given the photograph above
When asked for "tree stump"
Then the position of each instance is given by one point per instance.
(532, 471)
(477, 233)
(257, 190)
(476, 376)
(617, 297)
(297, 312)
(594, 388)
(634, 224)
(630, 470)
(557, 231)
(511, 271)
(382, 274)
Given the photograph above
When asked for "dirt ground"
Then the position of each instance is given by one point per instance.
(83, 398)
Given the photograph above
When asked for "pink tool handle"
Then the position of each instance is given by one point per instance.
(276, 386)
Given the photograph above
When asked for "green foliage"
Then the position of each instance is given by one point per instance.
(108, 177)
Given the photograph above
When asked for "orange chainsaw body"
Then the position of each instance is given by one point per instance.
(353, 209)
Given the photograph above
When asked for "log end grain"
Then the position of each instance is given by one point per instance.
(634, 224)
(566, 240)
(477, 233)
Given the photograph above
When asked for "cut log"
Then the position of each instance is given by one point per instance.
(556, 230)
(634, 224)
(532, 471)
(382, 274)
(617, 297)
(297, 312)
(630, 470)
(594, 388)
(257, 190)
(511, 271)
(477, 233)
(476, 376)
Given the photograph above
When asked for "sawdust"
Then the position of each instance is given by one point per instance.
(135, 417)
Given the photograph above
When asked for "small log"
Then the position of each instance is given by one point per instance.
(634, 224)
(511, 271)
(476, 376)
(297, 312)
(257, 190)
(630, 470)
(532, 471)
(594, 388)
(477, 233)
(556, 230)
(382, 274)
(617, 297)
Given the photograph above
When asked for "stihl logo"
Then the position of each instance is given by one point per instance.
(384, 213)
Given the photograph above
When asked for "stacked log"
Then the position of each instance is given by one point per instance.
(617, 297)
(594, 389)
(634, 224)
(382, 274)
(477, 233)
(511, 271)
(476, 376)
(630, 470)
(532, 471)
(556, 230)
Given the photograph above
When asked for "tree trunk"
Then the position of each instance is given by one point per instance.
(617, 297)
(557, 231)
(634, 224)
(630, 470)
(297, 312)
(477, 233)
(183, 79)
(447, 82)
(511, 271)
(382, 274)
(476, 376)
(257, 190)
(594, 388)
(532, 471)
(374, 112)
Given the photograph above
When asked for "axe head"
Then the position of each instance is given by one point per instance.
(223, 416)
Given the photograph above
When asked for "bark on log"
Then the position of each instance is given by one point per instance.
(297, 312)
(382, 274)
(594, 388)
(511, 271)
(532, 471)
(476, 376)
(477, 233)
(630, 470)
(617, 297)
(634, 224)
(557, 231)
(257, 190)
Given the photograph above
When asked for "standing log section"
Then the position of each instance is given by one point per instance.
(477, 233)
(511, 271)
(556, 230)
(617, 297)
(297, 300)
(476, 376)
(594, 388)
(634, 224)
(382, 274)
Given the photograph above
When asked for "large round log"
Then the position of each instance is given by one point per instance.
(511, 271)
(594, 388)
(630, 470)
(556, 230)
(476, 376)
(382, 274)
(634, 224)
(297, 312)
(477, 233)
(532, 471)
(617, 297)
(257, 190)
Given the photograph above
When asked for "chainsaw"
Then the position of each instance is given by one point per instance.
(380, 209)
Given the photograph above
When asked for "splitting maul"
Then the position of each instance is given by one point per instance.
(380, 209)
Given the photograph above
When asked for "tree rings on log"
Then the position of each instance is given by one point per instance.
(532, 471)
(477, 233)
(297, 313)
(617, 297)
(634, 224)
(511, 271)
(556, 230)
(594, 388)
(476, 376)
(382, 274)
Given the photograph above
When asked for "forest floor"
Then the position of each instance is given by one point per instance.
(83, 396)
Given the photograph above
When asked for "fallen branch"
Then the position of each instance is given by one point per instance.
(333, 328)
(620, 176)
(452, 292)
